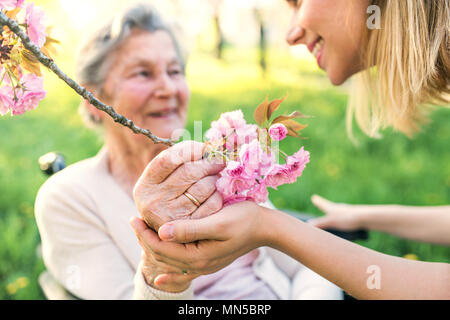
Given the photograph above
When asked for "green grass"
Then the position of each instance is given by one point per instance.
(394, 169)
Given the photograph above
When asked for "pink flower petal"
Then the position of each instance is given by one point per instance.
(35, 27)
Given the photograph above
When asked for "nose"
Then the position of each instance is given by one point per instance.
(295, 32)
(166, 87)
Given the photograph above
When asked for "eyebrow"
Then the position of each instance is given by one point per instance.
(139, 62)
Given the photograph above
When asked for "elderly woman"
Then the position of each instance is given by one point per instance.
(83, 212)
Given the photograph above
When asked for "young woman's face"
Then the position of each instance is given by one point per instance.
(332, 30)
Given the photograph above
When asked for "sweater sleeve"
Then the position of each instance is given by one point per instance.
(145, 292)
(78, 251)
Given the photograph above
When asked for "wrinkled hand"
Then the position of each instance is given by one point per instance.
(224, 236)
(158, 194)
(340, 216)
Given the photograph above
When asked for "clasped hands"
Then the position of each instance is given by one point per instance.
(185, 231)
(179, 185)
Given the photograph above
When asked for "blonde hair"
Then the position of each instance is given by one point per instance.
(407, 67)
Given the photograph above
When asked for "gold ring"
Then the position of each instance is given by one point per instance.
(192, 198)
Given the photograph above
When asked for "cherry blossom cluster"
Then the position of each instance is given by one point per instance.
(250, 155)
(21, 84)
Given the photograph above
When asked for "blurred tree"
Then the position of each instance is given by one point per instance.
(216, 5)
(262, 38)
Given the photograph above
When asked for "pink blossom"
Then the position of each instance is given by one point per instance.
(252, 166)
(6, 99)
(289, 172)
(10, 4)
(29, 98)
(213, 134)
(250, 156)
(234, 169)
(232, 186)
(298, 161)
(229, 121)
(279, 175)
(235, 119)
(246, 134)
(258, 192)
(233, 127)
(278, 132)
(35, 27)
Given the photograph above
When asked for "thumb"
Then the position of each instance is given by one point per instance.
(184, 231)
(322, 222)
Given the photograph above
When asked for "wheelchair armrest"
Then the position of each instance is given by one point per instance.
(52, 162)
(347, 235)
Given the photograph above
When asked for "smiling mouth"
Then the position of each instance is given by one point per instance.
(316, 49)
(162, 113)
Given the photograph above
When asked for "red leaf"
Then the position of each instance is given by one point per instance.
(261, 112)
(273, 106)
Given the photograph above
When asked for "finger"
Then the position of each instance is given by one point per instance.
(320, 202)
(154, 221)
(169, 160)
(142, 231)
(173, 254)
(163, 281)
(190, 173)
(209, 207)
(180, 208)
(204, 188)
(185, 231)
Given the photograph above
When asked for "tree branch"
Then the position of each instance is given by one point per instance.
(50, 64)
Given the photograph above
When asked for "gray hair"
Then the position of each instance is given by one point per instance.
(92, 62)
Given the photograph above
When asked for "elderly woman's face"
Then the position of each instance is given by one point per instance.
(332, 30)
(146, 84)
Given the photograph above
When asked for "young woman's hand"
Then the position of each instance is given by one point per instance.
(340, 216)
(219, 239)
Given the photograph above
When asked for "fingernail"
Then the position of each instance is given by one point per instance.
(133, 223)
(159, 280)
(167, 232)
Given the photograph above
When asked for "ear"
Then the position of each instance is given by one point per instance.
(96, 113)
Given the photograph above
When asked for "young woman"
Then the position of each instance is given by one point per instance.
(399, 70)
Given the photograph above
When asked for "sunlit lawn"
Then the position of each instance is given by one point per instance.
(392, 170)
